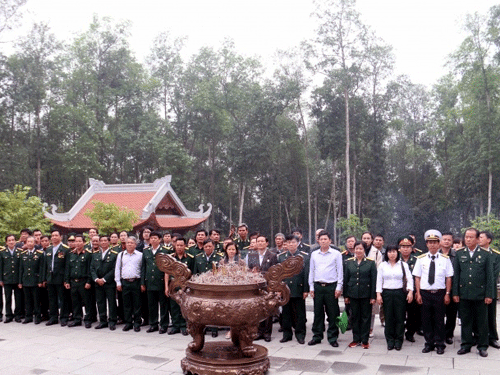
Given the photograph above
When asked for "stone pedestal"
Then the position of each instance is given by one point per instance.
(223, 358)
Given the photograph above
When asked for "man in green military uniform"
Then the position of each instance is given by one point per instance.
(200, 237)
(167, 242)
(294, 312)
(9, 278)
(474, 289)
(77, 279)
(30, 279)
(180, 255)
(485, 239)
(413, 310)
(153, 283)
(208, 259)
(242, 241)
(102, 271)
(302, 246)
(215, 236)
(204, 262)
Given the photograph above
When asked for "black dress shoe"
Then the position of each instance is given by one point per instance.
(101, 326)
(410, 338)
(17, 320)
(335, 344)
(74, 323)
(390, 347)
(161, 331)
(449, 340)
(301, 341)
(493, 344)
(38, 320)
(286, 339)
(127, 327)
(152, 329)
(137, 329)
(184, 332)
(483, 353)
(112, 327)
(51, 322)
(8, 320)
(267, 339)
(173, 331)
(440, 350)
(463, 351)
(397, 347)
(260, 337)
(427, 349)
(64, 323)
(26, 321)
(313, 342)
(88, 325)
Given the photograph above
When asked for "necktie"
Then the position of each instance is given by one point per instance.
(432, 270)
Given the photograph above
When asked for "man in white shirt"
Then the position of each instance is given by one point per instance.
(433, 276)
(325, 285)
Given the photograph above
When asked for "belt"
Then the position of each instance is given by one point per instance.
(131, 280)
(324, 284)
(433, 290)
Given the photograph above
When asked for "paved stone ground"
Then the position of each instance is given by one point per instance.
(37, 349)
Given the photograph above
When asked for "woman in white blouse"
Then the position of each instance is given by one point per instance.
(392, 277)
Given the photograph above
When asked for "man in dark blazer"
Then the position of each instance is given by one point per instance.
(260, 261)
(53, 279)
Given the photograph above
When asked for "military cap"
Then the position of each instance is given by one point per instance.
(432, 235)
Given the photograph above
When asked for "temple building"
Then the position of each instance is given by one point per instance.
(156, 204)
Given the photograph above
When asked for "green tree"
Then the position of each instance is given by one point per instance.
(352, 226)
(488, 223)
(108, 217)
(18, 210)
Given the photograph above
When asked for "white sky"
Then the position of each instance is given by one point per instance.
(422, 32)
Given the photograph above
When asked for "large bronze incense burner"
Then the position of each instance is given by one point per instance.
(241, 306)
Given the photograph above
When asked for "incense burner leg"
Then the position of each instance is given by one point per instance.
(196, 331)
(242, 337)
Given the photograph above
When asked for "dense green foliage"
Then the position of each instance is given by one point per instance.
(266, 148)
(109, 218)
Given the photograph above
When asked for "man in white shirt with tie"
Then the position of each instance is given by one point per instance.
(433, 273)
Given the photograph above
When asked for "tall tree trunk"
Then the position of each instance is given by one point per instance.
(490, 185)
(242, 202)
(347, 148)
(308, 180)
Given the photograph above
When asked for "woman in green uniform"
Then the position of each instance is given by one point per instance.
(360, 279)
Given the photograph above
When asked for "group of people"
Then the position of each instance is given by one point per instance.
(113, 279)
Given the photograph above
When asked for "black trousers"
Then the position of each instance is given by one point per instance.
(80, 297)
(132, 301)
(474, 313)
(178, 320)
(44, 302)
(293, 315)
(433, 312)
(18, 300)
(32, 302)
(451, 319)
(58, 302)
(492, 321)
(325, 302)
(361, 310)
(394, 307)
(106, 298)
(155, 298)
(413, 318)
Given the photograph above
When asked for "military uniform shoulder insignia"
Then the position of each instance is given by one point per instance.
(246, 247)
(24, 251)
(495, 251)
(2, 249)
(91, 252)
(343, 252)
(190, 255)
(445, 256)
(421, 256)
(283, 252)
(304, 253)
(65, 246)
(370, 259)
(221, 254)
(113, 252)
(200, 254)
(418, 250)
(39, 251)
(352, 258)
